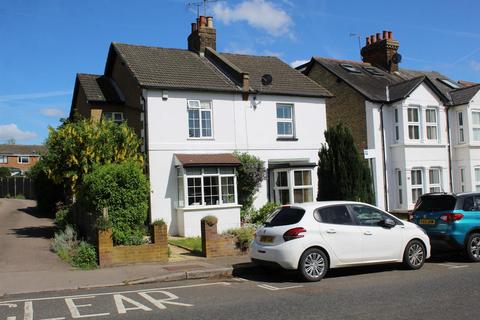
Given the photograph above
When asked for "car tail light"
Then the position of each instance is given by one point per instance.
(451, 217)
(294, 233)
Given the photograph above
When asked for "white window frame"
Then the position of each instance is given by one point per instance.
(197, 105)
(112, 116)
(411, 123)
(290, 120)
(477, 181)
(291, 187)
(184, 176)
(3, 159)
(431, 124)
(475, 126)
(398, 174)
(396, 133)
(461, 127)
(462, 179)
(417, 186)
(435, 186)
(20, 159)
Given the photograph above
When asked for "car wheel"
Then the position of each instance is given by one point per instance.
(473, 247)
(414, 255)
(313, 265)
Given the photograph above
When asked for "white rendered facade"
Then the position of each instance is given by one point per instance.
(236, 125)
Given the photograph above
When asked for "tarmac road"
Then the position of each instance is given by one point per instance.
(445, 288)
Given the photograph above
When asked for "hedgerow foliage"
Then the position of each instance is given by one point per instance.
(123, 189)
(249, 178)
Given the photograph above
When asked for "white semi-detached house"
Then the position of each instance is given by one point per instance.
(194, 108)
(419, 129)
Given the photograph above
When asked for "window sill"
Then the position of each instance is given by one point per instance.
(220, 206)
(206, 138)
(287, 139)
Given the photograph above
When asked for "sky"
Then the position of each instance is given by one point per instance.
(44, 43)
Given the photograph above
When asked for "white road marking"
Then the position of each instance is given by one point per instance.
(121, 307)
(272, 288)
(119, 292)
(452, 266)
(59, 318)
(74, 308)
(28, 311)
(160, 303)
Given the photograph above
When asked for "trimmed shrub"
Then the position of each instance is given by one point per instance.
(261, 215)
(244, 236)
(4, 172)
(123, 189)
(84, 256)
(249, 178)
(210, 220)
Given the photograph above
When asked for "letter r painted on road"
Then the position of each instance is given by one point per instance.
(119, 299)
(160, 303)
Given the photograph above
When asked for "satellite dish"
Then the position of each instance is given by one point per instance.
(397, 58)
(267, 79)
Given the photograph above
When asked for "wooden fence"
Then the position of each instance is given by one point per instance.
(15, 187)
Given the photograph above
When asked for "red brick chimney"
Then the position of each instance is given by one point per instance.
(381, 51)
(203, 35)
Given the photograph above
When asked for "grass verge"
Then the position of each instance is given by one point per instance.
(193, 244)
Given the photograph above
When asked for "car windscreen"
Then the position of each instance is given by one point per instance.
(285, 216)
(436, 203)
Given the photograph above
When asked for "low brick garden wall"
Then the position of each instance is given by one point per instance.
(217, 245)
(110, 255)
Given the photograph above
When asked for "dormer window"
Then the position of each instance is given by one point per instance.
(350, 68)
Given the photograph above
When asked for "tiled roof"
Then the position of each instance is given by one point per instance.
(98, 88)
(286, 80)
(373, 86)
(164, 68)
(464, 95)
(21, 149)
(198, 160)
(401, 90)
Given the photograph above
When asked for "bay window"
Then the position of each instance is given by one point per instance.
(477, 179)
(417, 184)
(434, 181)
(461, 133)
(413, 123)
(431, 123)
(207, 186)
(476, 125)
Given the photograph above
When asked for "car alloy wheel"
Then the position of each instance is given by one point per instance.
(414, 256)
(313, 264)
(473, 247)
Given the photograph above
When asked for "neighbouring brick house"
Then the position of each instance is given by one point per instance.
(21, 157)
(408, 120)
(194, 108)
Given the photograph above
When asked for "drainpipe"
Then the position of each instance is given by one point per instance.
(384, 157)
(449, 149)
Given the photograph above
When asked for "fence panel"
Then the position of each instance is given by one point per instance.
(14, 187)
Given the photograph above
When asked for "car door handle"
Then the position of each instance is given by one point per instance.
(331, 231)
(367, 233)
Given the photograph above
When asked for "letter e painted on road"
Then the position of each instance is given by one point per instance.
(121, 307)
(160, 303)
(74, 308)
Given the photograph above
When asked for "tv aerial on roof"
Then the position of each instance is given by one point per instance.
(199, 4)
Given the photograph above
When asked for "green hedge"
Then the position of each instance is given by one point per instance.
(123, 189)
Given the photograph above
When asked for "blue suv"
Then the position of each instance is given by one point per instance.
(451, 221)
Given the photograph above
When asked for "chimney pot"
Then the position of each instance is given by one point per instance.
(385, 34)
(390, 36)
(210, 22)
(203, 21)
(367, 41)
(379, 37)
(373, 39)
(194, 26)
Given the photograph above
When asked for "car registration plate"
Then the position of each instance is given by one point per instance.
(266, 239)
(427, 221)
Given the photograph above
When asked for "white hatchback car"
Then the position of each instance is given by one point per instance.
(313, 237)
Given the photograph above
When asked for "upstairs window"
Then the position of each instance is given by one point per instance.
(396, 123)
(413, 123)
(23, 159)
(285, 123)
(199, 119)
(432, 125)
(116, 117)
(476, 125)
(461, 134)
(3, 159)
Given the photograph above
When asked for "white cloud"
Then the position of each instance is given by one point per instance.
(475, 65)
(261, 14)
(297, 63)
(52, 112)
(9, 131)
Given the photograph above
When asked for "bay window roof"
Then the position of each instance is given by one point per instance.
(207, 160)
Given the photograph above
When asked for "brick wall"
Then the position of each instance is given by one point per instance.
(216, 245)
(347, 105)
(110, 255)
(12, 162)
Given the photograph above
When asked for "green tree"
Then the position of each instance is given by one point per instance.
(75, 147)
(4, 172)
(342, 173)
(249, 178)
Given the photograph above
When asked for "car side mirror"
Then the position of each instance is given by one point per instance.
(387, 223)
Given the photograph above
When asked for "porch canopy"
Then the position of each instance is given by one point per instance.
(207, 160)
